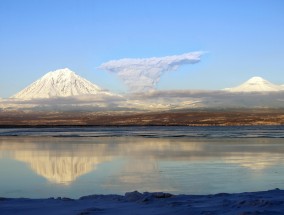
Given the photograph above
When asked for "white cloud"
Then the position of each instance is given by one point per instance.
(152, 100)
(142, 74)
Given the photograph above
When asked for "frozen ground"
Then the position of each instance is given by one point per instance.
(265, 202)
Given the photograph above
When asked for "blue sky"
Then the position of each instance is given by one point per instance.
(243, 38)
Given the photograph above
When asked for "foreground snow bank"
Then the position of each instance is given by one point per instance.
(266, 202)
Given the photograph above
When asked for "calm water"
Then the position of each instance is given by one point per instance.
(73, 162)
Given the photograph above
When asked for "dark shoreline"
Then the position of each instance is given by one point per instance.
(231, 117)
(122, 126)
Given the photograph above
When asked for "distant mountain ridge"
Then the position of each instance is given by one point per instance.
(66, 83)
(63, 90)
(59, 83)
(256, 84)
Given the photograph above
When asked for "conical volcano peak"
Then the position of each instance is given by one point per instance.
(256, 79)
(63, 71)
(58, 83)
(60, 72)
(256, 84)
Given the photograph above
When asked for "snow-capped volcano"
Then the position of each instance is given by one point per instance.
(256, 84)
(59, 83)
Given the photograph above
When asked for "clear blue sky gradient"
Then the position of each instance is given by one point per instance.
(244, 38)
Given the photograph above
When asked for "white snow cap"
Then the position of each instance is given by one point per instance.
(256, 84)
(59, 83)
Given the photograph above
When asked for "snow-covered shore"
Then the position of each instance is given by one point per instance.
(264, 202)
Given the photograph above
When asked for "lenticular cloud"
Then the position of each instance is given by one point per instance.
(142, 74)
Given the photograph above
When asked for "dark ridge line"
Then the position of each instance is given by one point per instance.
(133, 125)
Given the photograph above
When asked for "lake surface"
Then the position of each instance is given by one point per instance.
(73, 162)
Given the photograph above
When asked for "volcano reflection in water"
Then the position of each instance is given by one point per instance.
(121, 164)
